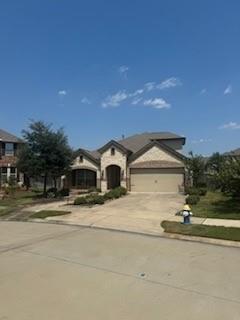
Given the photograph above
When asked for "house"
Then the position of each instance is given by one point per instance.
(9, 145)
(234, 153)
(147, 162)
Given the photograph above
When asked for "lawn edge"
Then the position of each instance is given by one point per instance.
(164, 235)
(213, 241)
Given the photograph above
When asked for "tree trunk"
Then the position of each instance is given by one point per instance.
(55, 182)
(45, 185)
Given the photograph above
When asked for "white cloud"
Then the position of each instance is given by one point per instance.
(115, 100)
(157, 103)
(230, 125)
(123, 70)
(228, 90)
(85, 100)
(149, 86)
(62, 92)
(136, 101)
(201, 141)
(169, 83)
(136, 93)
(122, 95)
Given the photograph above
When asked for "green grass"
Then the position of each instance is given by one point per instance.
(225, 233)
(217, 205)
(48, 213)
(13, 202)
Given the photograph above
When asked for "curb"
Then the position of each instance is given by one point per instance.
(164, 235)
(212, 241)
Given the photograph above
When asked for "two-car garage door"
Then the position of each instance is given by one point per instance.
(156, 180)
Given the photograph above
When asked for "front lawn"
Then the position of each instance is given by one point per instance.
(199, 230)
(48, 213)
(217, 205)
(19, 199)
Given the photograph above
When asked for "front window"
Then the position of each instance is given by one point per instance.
(112, 151)
(9, 149)
(3, 175)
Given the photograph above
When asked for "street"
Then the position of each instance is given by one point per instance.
(60, 272)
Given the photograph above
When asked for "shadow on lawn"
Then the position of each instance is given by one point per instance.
(227, 206)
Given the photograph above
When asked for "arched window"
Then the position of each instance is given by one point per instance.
(112, 151)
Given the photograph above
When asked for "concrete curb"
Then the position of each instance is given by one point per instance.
(164, 235)
(213, 241)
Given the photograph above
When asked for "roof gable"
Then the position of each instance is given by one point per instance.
(116, 145)
(162, 146)
(87, 155)
(8, 137)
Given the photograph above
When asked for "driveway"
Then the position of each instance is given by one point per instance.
(138, 212)
(63, 272)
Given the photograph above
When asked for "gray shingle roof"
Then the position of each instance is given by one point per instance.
(235, 152)
(8, 137)
(138, 141)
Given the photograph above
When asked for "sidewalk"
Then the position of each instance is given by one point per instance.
(141, 215)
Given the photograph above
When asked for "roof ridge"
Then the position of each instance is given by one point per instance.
(7, 136)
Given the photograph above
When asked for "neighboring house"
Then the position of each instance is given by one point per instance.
(9, 145)
(148, 162)
(233, 153)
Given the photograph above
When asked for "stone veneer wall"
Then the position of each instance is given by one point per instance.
(118, 159)
(156, 153)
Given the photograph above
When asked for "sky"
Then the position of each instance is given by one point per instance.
(103, 69)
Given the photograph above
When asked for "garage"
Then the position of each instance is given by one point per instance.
(157, 180)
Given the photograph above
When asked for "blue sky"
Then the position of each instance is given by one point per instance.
(102, 69)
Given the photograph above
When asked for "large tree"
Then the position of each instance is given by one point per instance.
(214, 166)
(230, 176)
(215, 163)
(46, 152)
(196, 169)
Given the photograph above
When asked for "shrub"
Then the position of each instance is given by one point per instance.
(95, 199)
(192, 199)
(98, 199)
(196, 191)
(80, 200)
(202, 191)
(191, 191)
(52, 193)
(122, 190)
(64, 192)
(115, 193)
(109, 195)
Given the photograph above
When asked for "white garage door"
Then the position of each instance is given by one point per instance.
(156, 180)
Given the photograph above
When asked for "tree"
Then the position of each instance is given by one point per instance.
(215, 163)
(214, 166)
(46, 152)
(196, 169)
(230, 176)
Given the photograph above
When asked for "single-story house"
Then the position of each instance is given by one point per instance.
(147, 162)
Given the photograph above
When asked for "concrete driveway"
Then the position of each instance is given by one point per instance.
(63, 272)
(138, 212)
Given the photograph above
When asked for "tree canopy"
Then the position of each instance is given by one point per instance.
(46, 153)
(196, 168)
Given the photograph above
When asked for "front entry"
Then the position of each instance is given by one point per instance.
(113, 176)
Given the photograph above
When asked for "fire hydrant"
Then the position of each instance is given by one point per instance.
(186, 214)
